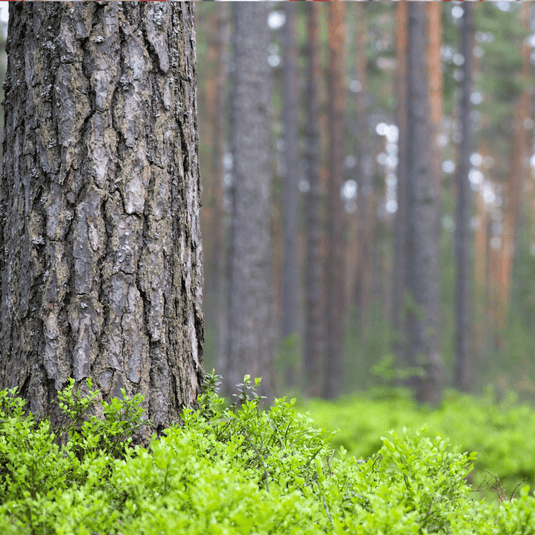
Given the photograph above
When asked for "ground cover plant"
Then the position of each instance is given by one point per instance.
(501, 432)
(231, 469)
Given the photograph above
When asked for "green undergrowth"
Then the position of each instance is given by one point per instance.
(502, 433)
(231, 470)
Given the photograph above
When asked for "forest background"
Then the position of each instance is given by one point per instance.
(501, 174)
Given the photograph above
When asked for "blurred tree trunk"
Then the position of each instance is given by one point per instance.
(251, 300)
(517, 172)
(315, 326)
(335, 246)
(492, 282)
(422, 270)
(364, 190)
(369, 171)
(400, 253)
(220, 226)
(463, 379)
(211, 124)
(435, 85)
(101, 255)
(434, 32)
(291, 302)
(480, 268)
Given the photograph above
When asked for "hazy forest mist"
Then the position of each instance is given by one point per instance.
(421, 270)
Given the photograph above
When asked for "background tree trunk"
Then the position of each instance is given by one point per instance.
(364, 170)
(101, 255)
(335, 246)
(422, 219)
(463, 365)
(220, 217)
(251, 300)
(291, 302)
(315, 328)
(400, 260)
(515, 180)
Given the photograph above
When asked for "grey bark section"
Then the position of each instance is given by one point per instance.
(100, 253)
(462, 227)
(220, 219)
(335, 271)
(251, 299)
(315, 324)
(364, 150)
(422, 219)
(290, 276)
(400, 226)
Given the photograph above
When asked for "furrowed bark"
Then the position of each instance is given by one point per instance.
(101, 253)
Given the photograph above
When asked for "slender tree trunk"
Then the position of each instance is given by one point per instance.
(435, 85)
(480, 267)
(517, 172)
(291, 284)
(251, 299)
(101, 255)
(463, 364)
(315, 327)
(363, 171)
(400, 253)
(335, 246)
(422, 219)
(434, 31)
(220, 225)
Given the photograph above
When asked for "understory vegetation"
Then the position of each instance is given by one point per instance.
(230, 469)
(501, 432)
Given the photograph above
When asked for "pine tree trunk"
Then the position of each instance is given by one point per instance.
(101, 255)
(364, 174)
(220, 218)
(434, 31)
(400, 253)
(315, 327)
(291, 284)
(335, 246)
(251, 299)
(463, 364)
(480, 267)
(515, 180)
(422, 219)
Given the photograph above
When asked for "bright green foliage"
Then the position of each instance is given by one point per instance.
(502, 434)
(231, 470)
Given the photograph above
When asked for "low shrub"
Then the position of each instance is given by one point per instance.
(230, 470)
(503, 434)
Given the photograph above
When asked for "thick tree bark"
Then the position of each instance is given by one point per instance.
(400, 253)
(291, 302)
(100, 254)
(315, 327)
(335, 246)
(422, 219)
(251, 299)
(463, 363)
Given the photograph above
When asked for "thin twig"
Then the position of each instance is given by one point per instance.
(259, 456)
(516, 488)
(327, 511)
